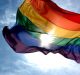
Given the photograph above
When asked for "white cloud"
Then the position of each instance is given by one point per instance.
(39, 64)
(71, 5)
(50, 62)
(32, 64)
(8, 12)
(8, 18)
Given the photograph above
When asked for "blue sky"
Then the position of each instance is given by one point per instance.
(12, 63)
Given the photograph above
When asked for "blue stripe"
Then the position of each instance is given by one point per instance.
(24, 37)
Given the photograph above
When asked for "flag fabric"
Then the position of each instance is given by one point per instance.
(41, 25)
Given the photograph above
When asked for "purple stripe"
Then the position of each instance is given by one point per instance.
(17, 45)
(15, 40)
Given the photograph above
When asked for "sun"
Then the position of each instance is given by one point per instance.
(46, 40)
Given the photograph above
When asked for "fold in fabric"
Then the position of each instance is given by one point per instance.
(43, 26)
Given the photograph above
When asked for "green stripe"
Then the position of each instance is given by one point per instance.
(26, 23)
(65, 41)
(34, 34)
(34, 31)
(58, 41)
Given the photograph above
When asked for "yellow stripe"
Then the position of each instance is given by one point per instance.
(27, 10)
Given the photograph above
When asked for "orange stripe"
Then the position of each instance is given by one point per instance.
(67, 20)
(27, 10)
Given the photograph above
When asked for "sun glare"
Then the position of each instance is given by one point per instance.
(46, 40)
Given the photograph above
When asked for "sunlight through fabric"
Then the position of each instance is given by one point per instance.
(46, 40)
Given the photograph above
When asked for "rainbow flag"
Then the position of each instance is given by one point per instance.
(41, 25)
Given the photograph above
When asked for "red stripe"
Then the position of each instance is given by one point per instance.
(53, 13)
